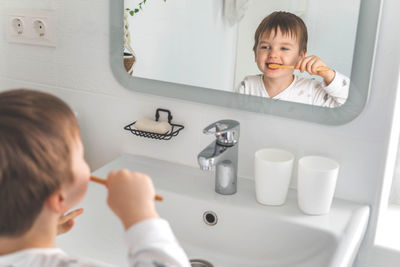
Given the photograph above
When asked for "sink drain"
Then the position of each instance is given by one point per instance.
(200, 263)
(210, 218)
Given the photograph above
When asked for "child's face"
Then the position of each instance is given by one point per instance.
(81, 171)
(277, 49)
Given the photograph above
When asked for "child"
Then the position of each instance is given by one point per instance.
(43, 174)
(281, 38)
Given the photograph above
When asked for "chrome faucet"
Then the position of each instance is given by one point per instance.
(222, 153)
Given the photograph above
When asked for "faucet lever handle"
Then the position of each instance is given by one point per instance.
(226, 131)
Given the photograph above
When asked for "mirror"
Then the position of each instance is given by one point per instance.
(344, 40)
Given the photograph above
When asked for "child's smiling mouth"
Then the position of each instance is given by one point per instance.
(268, 67)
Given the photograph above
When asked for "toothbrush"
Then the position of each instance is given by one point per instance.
(277, 66)
(104, 182)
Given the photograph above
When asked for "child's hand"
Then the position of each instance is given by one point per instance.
(66, 222)
(311, 63)
(131, 196)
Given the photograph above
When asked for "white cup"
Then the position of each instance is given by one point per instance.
(316, 182)
(273, 170)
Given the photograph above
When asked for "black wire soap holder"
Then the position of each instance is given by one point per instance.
(175, 128)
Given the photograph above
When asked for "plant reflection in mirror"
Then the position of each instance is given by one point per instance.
(129, 54)
(139, 7)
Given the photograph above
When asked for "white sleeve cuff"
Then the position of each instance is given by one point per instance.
(152, 243)
(148, 232)
(339, 83)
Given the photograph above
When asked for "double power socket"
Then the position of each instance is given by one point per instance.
(31, 26)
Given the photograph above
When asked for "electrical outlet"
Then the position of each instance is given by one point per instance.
(31, 26)
(40, 27)
(17, 25)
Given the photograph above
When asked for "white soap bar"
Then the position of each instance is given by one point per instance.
(151, 126)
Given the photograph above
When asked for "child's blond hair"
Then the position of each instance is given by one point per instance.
(37, 131)
(288, 23)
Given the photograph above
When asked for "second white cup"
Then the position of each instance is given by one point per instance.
(316, 182)
(273, 171)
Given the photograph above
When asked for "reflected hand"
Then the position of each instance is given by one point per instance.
(311, 63)
(66, 222)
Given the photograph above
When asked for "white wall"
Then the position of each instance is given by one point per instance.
(184, 42)
(78, 70)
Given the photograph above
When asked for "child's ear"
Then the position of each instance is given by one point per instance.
(303, 54)
(57, 202)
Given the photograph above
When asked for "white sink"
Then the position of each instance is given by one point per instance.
(246, 233)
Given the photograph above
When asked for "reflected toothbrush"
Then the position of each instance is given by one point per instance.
(278, 66)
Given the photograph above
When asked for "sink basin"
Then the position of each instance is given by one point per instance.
(226, 231)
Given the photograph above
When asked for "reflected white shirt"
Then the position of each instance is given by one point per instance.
(151, 243)
(302, 90)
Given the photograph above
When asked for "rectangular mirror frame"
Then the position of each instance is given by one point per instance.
(363, 61)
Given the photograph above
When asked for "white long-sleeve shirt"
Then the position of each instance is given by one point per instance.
(151, 243)
(302, 90)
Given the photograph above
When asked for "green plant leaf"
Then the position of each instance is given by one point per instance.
(136, 10)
